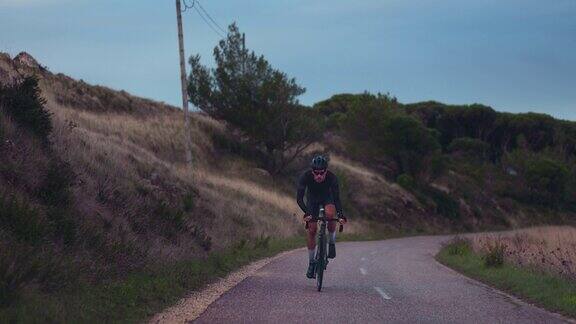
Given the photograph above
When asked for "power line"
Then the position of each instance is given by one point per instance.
(207, 22)
(203, 14)
(187, 6)
(210, 17)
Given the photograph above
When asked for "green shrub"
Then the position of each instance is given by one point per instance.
(173, 218)
(458, 246)
(17, 268)
(346, 191)
(23, 102)
(201, 237)
(547, 179)
(334, 121)
(406, 181)
(62, 224)
(494, 257)
(262, 242)
(445, 204)
(377, 129)
(21, 219)
(55, 189)
(540, 180)
(438, 165)
(188, 202)
(409, 143)
(2, 130)
(472, 148)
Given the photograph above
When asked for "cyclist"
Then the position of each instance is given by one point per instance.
(321, 188)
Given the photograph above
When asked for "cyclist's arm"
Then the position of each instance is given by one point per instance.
(334, 187)
(300, 194)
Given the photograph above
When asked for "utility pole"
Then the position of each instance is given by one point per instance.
(187, 139)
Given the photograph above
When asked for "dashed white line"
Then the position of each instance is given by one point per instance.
(363, 271)
(382, 293)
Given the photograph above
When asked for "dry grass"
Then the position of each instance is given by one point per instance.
(551, 248)
(132, 153)
(134, 197)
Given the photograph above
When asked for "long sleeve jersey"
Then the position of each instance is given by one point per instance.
(318, 192)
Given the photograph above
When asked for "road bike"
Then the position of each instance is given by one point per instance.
(321, 255)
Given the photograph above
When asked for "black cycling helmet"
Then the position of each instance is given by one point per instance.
(319, 162)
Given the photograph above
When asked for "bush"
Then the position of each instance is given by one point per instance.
(494, 257)
(438, 165)
(201, 237)
(470, 147)
(547, 180)
(262, 242)
(445, 204)
(406, 181)
(2, 129)
(22, 220)
(188, 202)
(17, 268)
(458, 246)
(55, 193)
(173, 218)
(337, 106)
(23, 102)
(378, 129)
(409, 143)
(55, 189)
(335, 121)
(346, 191)
(540, 180)
(62, 223)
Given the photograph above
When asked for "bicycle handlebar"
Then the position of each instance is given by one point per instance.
(340, 228)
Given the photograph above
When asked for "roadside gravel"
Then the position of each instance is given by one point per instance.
(192, 306)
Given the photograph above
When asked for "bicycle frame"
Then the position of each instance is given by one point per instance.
(321, 247)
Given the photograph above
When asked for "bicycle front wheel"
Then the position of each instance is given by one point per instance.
(320, 262)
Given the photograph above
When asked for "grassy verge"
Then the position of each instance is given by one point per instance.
(141, 295)
(551, 292)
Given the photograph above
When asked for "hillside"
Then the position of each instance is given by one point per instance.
(469, 164)
(109, 193)
(131, 191)
(126, 199)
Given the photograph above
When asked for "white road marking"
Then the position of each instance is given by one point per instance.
(363, 271)
(363, 259)
(373, 252)
(382, 293)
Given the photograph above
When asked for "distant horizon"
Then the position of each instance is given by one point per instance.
(515, 56)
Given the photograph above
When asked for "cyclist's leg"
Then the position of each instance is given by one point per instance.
(331, 214)
(314, 210)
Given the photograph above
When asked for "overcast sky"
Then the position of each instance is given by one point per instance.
(514, 55)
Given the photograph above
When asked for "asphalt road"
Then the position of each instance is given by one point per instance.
(370, 282)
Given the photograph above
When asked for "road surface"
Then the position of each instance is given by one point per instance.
(395, 281)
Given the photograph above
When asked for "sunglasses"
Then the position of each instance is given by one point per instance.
(318, 172)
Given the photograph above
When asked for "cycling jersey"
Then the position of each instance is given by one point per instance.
(325, 192)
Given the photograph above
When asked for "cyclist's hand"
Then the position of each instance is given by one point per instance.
(307, 218)
(342, 221)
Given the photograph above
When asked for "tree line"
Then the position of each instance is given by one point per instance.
(412, 143)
